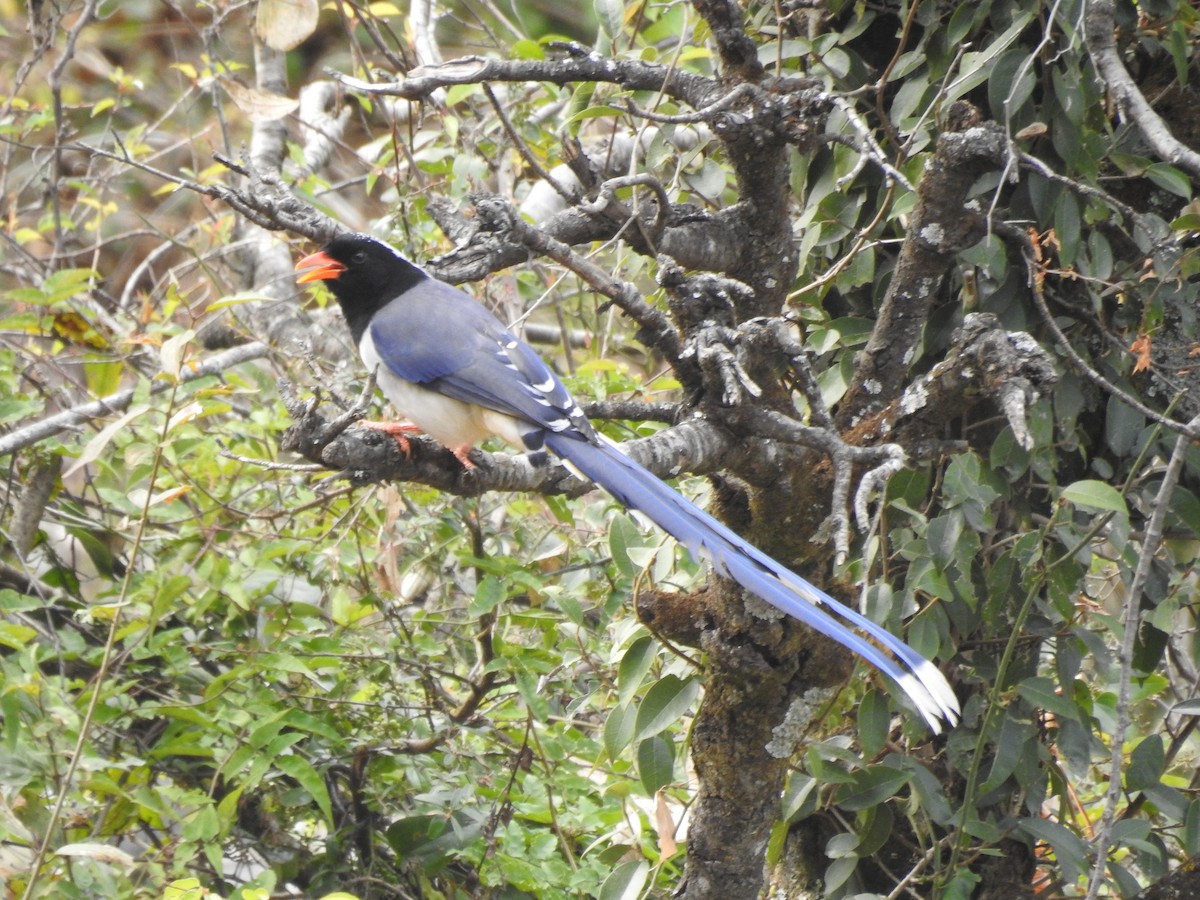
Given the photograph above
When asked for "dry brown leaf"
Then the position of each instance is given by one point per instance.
(285, 24)
(1141, 349)
(664, 824)
(259, 106)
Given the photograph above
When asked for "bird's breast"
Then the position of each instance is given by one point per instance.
(449, 421)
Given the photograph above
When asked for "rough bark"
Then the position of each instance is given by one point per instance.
(941, 225)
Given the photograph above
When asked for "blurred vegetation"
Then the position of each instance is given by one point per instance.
(227, 673)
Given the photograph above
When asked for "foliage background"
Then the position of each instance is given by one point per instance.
(225, 671)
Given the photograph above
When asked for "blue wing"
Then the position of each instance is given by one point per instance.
(442, 339)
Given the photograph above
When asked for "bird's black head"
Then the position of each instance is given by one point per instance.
(363, 273)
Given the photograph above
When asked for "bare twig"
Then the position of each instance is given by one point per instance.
(85, 19)
(608, 198)
(868, 148)
(743, 91)
(526, 154)
(321, 127)
(271, 465)
(1091, 191)
(661, 333)
(874, 481)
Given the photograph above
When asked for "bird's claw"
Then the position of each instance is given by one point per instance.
(397, 430)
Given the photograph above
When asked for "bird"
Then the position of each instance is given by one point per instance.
(457, 373)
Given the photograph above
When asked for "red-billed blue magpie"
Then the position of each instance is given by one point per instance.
(448, 365)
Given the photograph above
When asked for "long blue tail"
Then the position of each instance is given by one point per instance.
(735, 558)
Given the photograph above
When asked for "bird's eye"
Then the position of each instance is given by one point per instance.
(359, 258)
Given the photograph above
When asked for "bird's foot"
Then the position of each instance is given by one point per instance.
(460, 453)
(398, 430)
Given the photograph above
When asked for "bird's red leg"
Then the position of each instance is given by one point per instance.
(398, 430)
(460, 453)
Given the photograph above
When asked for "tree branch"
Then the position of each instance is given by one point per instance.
(578, 64)
(1098, 33)
(941, 225)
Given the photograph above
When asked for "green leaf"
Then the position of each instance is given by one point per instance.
(1134, 833)
(202, 826)
(879, 829)
(964, 481)
(526, 49)
(1068, 227)
(667, 701)
(1014, 734)
(610, 15)
(962, 20)
(1042, 693)
(1187, 707)
(1070, 851)
(838, 873)
(943, 535)
(874, 721)
(930, 793)
(1179, 44)
(103, 376)
(1186, 222)
(618, 730)
(98, 444)
(1011, 81)
(286, 662)
(626, 881)
(710, 181)
(595, 112)
(1170, 179)
(977, 66)
(624, 536)
(1191, 830)
(1123, 427)
(871, 786)
(527, 686)
(1096, 495)
(1146, 764)
(310, 779)
(656, 763)
(1127, 884)
(634, 665)
(16, 636)
(962, 885)
(800, 797)
(860, 271)
(991, 255)
(489, 593)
